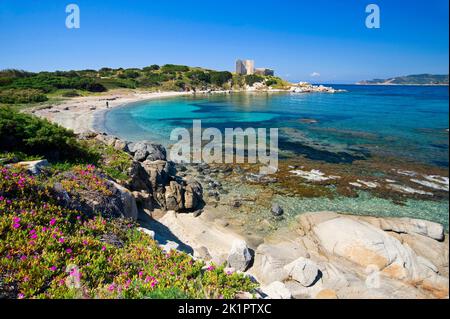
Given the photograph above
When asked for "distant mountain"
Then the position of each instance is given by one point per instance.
(417, 79)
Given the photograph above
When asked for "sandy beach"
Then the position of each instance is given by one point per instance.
(78, 113)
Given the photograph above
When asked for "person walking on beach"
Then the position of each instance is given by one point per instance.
(107, 104)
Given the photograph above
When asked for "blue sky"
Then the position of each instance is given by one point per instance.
(296, 38)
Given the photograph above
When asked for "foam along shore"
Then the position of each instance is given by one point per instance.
(78, 113)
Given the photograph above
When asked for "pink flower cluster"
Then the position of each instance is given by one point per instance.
(16, 222)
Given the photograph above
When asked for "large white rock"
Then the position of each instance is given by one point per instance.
(270, 260)
(169, 245)
(34, 167)
(434, 251)
(367, 245)
(239, 257)
(277, 290)
(410, 225)
(148, 232)
(304, 271)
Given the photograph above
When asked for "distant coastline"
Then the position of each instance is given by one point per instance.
(415, 79)
(394, 84)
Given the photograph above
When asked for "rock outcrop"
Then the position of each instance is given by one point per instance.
(114, 201)
(153, 179)
(276, 290)
(34, 167)
(304, 271)
(146, 150)
(342, 256)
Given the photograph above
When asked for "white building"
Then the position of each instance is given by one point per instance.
(245, 67)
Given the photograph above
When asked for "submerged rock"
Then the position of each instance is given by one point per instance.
(277, 210)
(314, 175)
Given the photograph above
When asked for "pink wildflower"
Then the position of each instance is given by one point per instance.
(52, 221)
(53, 268)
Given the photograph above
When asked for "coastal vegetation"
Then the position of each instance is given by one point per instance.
(33, 136)
(22, 87)
(51, 250)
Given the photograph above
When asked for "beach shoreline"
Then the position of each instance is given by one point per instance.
(81, 114)
(84, 114)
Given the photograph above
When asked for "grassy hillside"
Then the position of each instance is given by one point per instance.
(22, 87)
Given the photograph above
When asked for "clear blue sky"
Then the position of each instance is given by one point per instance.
(297, 38)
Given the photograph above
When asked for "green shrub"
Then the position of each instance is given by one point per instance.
(70, 93)
(199, 76)
(220, 78)
(49, 82)
(153, 79)
(153, 67)
(129, 74)
(253, 78)
(13, 73)
(170, 68)
(118, 83)
(15, 96)
(34, 136)
(95, 87)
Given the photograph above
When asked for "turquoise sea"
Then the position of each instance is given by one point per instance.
(409, 122)
(405, 123)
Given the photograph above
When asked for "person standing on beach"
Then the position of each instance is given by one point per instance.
(107, 104)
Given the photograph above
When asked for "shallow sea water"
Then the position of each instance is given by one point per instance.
(408, 123)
